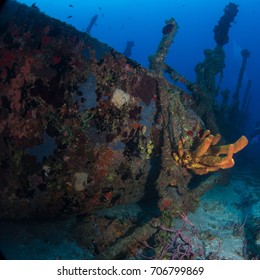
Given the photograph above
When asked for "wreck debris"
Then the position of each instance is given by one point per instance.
(208, 70)
(128, 48)
(224, 104)
(235, 110)
(222, 28)
(91, 24)
(123, 246)
(157, 61)
(212, 66)
(245, 103)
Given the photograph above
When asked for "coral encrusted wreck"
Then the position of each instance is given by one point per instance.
(104, 129)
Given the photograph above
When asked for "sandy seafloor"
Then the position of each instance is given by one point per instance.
(229, 216)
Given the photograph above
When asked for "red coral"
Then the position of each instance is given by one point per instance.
(26, 68)
(56, 59)
(104, 162)
(146, 89)
(165, 204)
(45, 40)
(190, 133)
(7, 58)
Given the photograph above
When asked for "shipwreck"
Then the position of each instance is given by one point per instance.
(84, 128)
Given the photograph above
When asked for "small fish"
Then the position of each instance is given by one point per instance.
(102, 15)
(100, 8)
(69, 16)
(71, 6)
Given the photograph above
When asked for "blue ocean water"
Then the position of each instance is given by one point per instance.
(141, 21)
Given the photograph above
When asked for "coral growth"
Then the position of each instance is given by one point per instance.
(167, 28)
(157, 61)
(120, 98)
(221, 30)
(206, 157)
